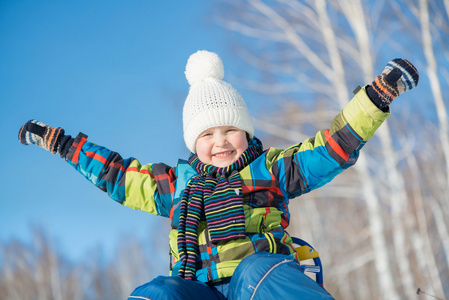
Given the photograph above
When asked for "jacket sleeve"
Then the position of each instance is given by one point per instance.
(149, 188)
(315, 162)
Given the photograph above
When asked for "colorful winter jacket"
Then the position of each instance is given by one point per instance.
(268, 183)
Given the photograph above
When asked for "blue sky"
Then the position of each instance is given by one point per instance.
(111, 69)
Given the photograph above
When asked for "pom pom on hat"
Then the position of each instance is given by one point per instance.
(202, 65)
(211, 101)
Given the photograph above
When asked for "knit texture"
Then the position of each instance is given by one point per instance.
(398, 77)
(216, 192)
(211, 102)
(65, 143)
(42, 135)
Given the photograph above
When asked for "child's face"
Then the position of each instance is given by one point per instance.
(221, 146)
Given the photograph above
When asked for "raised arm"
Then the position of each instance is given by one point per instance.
(149, 188)
(316, 161)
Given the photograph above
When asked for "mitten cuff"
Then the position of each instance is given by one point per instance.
(64, 145)
(52, 137)
(374, 97)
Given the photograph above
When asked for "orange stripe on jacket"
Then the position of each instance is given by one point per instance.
(251, 188)
(336, 147)
(143, 171)
(105, 161)
(78, 146)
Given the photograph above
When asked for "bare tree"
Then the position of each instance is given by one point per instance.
(323, 49)
(38, 271)
(31, 272)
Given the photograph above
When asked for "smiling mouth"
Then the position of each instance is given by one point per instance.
(223, 154)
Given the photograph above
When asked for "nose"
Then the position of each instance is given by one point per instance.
(220, 140)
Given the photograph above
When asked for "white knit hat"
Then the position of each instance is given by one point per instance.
(211, 101)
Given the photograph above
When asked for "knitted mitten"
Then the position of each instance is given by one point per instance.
(398, 77)
(42, 135)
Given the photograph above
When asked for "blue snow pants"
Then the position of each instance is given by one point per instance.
(261, 276)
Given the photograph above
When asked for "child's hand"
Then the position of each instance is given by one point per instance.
(42, 135)
(398, 77)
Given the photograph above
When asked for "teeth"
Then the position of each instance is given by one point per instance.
(223, 153)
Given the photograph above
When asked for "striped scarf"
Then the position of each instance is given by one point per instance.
(216, 194)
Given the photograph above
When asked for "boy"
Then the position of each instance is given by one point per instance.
(228, 203)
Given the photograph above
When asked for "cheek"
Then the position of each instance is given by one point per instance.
(241, 145)
(202, 150)
(244, 147)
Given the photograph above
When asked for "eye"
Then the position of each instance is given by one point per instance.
(206, 134)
